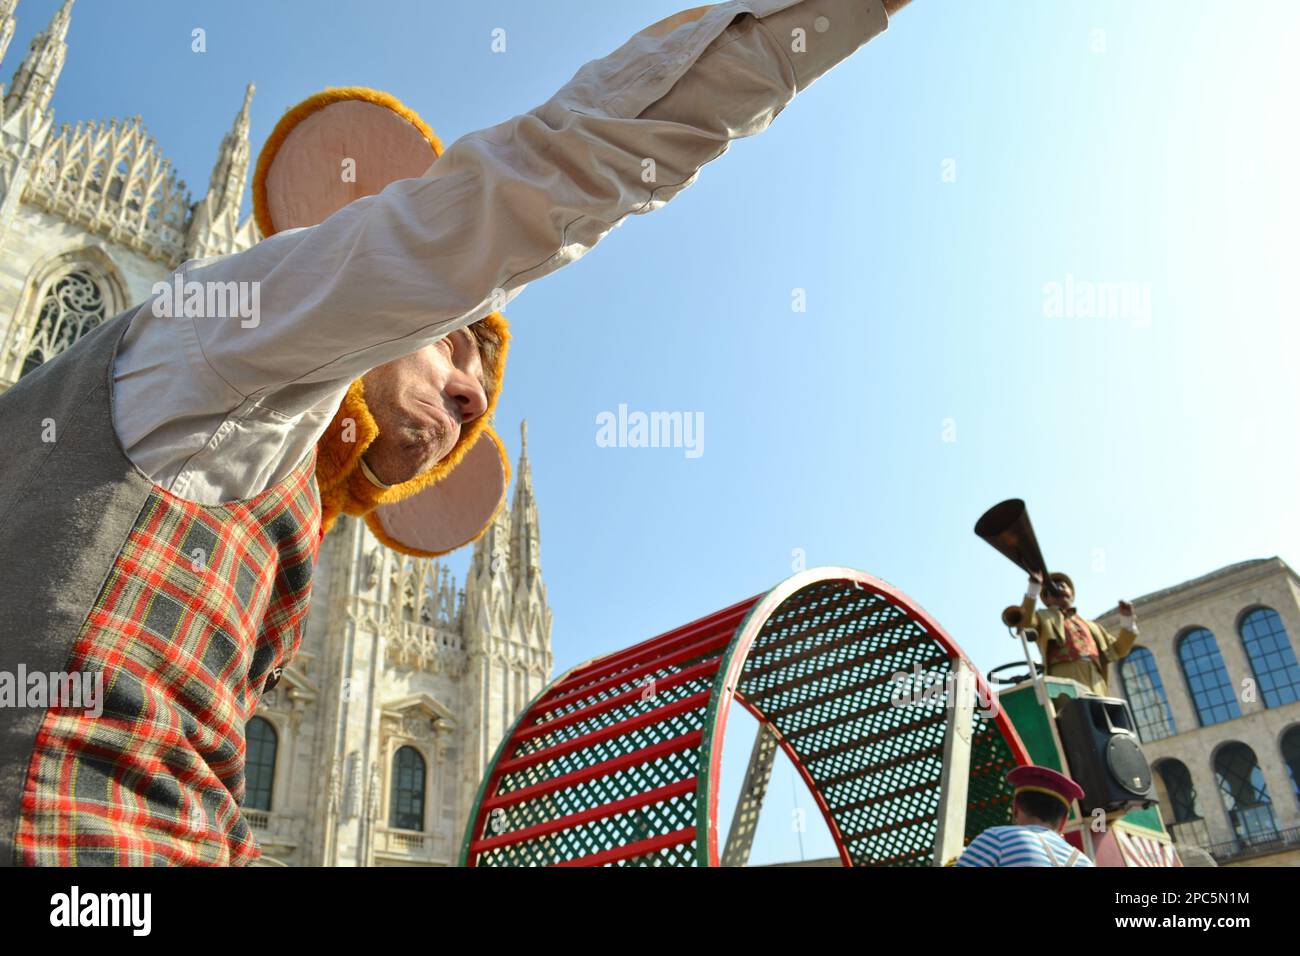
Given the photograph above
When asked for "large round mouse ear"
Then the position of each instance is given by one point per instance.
(332, 148)
(453, 512)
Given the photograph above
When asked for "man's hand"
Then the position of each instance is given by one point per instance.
(1125, 609)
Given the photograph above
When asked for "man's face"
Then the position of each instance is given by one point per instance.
(1066, 600)
(420, 403)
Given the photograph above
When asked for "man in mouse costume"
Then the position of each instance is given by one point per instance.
(167, 479)
(203, 603)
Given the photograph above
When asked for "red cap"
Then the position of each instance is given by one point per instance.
(1045, 780)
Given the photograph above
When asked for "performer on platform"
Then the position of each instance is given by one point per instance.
(165, 481)
(1070, 645)
(1041, 807)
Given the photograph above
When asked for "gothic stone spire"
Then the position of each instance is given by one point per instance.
(530, 612)
(7, 25)
(230, 174)
(33, 84)
(214, 227)
(525, 544)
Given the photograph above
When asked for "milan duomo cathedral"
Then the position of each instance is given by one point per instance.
(370, 749)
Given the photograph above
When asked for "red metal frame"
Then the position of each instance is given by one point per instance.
(564, 740)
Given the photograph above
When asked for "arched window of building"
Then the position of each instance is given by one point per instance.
(72, 306)
(1182, 795)
(1185, 822)
(259, 767)
(1207, 678)
(1146, 695)
(406, 808)
(1271, 657)
(1245, 794)
(1291, 757)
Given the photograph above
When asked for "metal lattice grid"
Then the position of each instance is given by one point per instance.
(617, 761)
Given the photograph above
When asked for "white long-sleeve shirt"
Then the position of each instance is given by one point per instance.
(217, 409)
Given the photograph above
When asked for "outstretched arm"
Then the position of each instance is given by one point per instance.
(390, 273)
(507, 205)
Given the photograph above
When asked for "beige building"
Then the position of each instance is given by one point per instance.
(1214, 685)
(370, 749)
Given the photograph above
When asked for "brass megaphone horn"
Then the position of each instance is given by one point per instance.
(1006, 526)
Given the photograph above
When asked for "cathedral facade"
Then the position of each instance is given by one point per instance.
(370, 748)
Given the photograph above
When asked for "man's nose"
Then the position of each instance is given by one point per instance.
(464, 389)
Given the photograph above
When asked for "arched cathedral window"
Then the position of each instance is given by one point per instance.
(72, 306)
(259, 766)
(406, 805)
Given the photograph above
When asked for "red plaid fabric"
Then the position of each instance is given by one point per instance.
(202, 603)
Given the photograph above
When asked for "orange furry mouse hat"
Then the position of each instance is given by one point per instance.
(297, 183)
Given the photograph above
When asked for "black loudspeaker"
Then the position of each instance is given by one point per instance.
(1105, 756)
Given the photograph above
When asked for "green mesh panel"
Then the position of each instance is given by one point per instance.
(821, 670)
(988, 803)
(629, 827)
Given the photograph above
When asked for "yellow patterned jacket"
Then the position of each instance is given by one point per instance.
(1050, 625)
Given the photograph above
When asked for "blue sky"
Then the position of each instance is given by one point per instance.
(925, 195)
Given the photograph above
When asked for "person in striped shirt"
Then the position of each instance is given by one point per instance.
(1041, 807)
